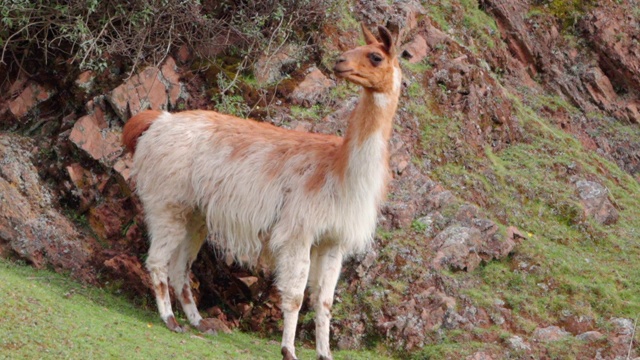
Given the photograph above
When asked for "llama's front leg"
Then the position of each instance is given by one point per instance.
(327, 265)
(292, 273)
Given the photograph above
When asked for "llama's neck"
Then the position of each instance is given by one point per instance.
(365, 147)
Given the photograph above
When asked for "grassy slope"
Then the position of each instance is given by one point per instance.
(46, 315)
(568, 266)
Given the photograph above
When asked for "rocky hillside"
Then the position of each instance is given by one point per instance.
(511, 227)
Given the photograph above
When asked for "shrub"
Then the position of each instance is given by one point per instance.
(90, 33)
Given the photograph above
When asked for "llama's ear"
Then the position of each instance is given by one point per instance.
(387, 40)
(369, 38)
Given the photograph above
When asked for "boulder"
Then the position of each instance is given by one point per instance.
(157, 88)
(590, 336)
(518, 344)
(271, 68)
(313, 89)
(456, 248)
(416, 50)
(550, 334)
(92, 135)
(32, 95)
(596, 202)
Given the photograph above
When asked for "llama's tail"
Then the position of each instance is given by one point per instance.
(136, 126)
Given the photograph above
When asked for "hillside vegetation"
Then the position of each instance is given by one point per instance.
(511, 228)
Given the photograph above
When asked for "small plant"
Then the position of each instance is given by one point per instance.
(313, 113)
(228, 100)
(418, 226)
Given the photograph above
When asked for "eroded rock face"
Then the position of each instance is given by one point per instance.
(612, 31)
(605, 78)
(31, 226)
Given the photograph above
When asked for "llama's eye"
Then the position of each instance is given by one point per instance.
(375, 58)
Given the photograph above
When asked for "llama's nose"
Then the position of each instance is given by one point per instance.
(341, 60)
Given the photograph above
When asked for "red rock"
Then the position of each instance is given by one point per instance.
(29, 98)
(85, 80)
(107, 220)
(171, 79)
(153, 88)
(515, 234)
(416, 50)
(599, 87)
(76, 174)
(130, 269)
(632, 113)
(268, 68)
(618, 55)
(590, 336)
(312, 89)
(100, 143)
(123, 166)
(183, 54)
(456, 248)
(479, 356)
(436, 37)
(594, 198)
(18, 85)
(550, 334)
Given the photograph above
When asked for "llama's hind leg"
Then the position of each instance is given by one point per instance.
(167, 231)
(179, 269)
(180, 266)
(326, 266)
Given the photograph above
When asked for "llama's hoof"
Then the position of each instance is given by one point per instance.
(286, 354)
(173, 325)
(212, 326)
(322, 357)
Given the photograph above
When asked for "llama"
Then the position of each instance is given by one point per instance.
(306, 200)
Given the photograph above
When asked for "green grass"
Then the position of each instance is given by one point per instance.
(588, 269)
(44, 315)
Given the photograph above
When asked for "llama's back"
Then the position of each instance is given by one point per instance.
(244, 176)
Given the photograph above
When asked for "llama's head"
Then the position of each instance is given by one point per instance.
(373, 66)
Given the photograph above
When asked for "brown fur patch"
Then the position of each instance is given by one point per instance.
(136, 126)
(186, 294)
(161, 290)
(173, 325)
(286, 354)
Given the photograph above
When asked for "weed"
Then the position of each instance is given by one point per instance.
(313, 113)
(228, 100)
(418, 226)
